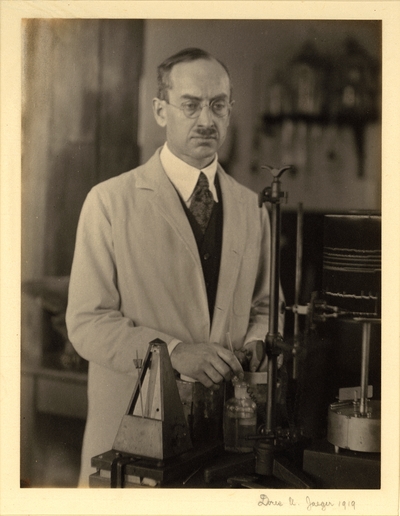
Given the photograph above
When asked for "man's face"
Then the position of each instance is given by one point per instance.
(196, 140)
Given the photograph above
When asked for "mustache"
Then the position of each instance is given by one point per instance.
(207, 132)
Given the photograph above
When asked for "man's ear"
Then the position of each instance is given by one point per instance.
(159, 112)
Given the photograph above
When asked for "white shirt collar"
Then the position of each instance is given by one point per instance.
(184, 177)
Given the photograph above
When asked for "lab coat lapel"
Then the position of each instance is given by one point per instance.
(233, 242)
(165, 199)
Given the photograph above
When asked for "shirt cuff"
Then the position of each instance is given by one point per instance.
(172, 345)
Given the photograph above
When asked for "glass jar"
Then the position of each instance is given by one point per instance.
(240, 420)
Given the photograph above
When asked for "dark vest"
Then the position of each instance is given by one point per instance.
(209, 245)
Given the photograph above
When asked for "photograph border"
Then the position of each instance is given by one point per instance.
(15, 500)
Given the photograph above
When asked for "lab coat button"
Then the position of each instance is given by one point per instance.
(206, 256)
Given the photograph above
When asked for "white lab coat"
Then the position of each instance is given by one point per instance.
(137, 276)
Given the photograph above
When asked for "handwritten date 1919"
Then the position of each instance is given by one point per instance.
(344, 505)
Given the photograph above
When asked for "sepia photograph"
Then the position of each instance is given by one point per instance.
(202, 282)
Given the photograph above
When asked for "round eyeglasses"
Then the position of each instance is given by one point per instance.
(193, 108)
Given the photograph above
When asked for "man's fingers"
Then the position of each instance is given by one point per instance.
(231, 360)
(208, 364)
(208, 382)
(219, 370)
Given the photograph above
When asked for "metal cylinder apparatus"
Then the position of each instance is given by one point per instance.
(352, 263)
(352, 288)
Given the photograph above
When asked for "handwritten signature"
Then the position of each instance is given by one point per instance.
(310, 504)
(322, 505)
(264, 500)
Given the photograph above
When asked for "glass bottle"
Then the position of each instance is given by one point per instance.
(240, 420)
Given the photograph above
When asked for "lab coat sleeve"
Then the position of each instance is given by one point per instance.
(96, 326)
(259, 314)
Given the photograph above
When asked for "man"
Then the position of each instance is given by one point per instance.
(146, 267)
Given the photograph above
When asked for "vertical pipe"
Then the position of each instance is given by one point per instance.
(366, 337)
(299, 262)
(273, 308)
(274, 269)
(271, 396)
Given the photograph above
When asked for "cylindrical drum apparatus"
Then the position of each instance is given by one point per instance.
(352, 285)
(352, 263)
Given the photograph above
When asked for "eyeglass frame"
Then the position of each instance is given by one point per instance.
(202, 105)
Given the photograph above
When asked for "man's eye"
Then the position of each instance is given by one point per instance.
(219, 106)
(191, 106)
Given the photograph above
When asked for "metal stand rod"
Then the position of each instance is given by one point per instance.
(275, 262)
(273, 195)
(273, 318)
(267, 464)
(299, 263)
(366, 339)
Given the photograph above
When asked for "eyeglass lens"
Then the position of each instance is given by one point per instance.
(220, 108)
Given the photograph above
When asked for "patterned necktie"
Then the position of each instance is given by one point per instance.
(202, 202)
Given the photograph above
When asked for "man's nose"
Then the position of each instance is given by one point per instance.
(206, 116)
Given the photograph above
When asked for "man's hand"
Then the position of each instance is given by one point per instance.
(255, 355)
(208, 364)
